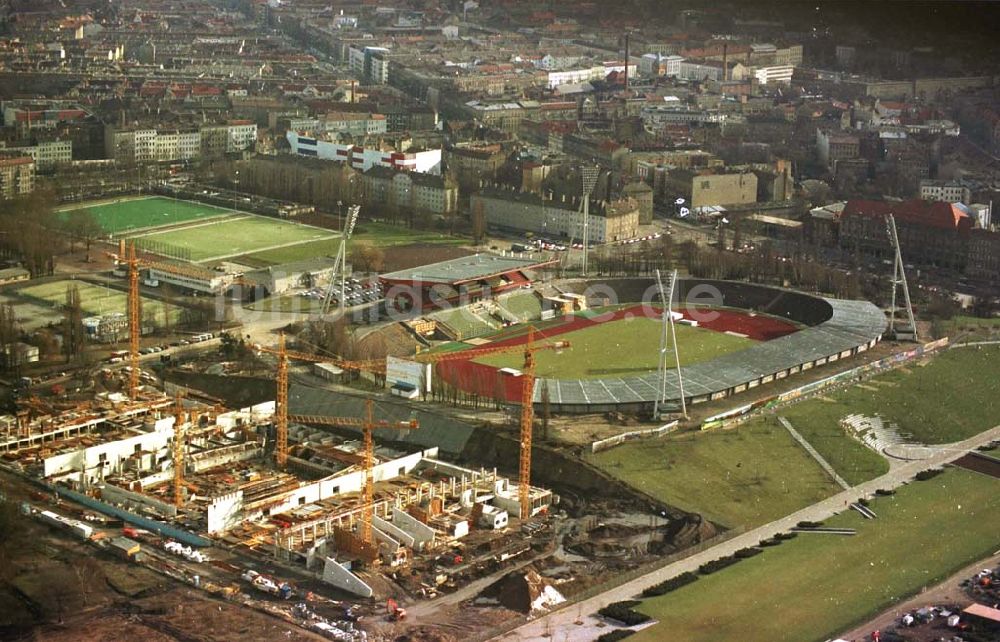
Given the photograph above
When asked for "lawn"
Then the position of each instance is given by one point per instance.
(852, 460)
(622, 347)
(747, 476)
(385, 235)
(97, 300)
(947, 398)
(237, 236)
(814, 587)
(144, 213)
(378, 234)
(299, 252)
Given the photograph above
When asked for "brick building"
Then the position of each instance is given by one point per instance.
(930, 233)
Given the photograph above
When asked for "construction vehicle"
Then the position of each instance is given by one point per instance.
(367, 424)
(269, 585)
(281, 397)
(527, 399)
(393, 611)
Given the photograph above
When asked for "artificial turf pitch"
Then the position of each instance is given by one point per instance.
(148, 213)
(232, 237)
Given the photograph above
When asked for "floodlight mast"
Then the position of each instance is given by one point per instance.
(899, 281)
(340, 263)
(588, 175)
(668, 344)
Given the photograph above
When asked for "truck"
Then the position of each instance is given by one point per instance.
(268, 585)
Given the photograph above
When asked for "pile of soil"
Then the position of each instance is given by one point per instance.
(690, 531)
(516, 591)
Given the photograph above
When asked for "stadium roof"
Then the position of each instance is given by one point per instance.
(852, 323)
(467, 268)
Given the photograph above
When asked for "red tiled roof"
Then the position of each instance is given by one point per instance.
(20, 160)
(915, 212)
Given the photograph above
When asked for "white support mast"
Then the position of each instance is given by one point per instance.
(340, 263)
(668, 345)
(588, 174)
(899, 281)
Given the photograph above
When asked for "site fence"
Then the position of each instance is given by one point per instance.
(744, 413)
(154, 246)
(613, 582)
(617, 440)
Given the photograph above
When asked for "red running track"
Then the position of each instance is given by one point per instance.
(487, 381)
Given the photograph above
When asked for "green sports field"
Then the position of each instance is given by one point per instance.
(145, 213)
(743, 477)
(233, 237)
(622, 347)
(817, 586)
(97, 300)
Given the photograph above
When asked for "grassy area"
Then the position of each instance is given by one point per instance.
(748, 476)
(97, 300)
(144, 213)
(378, 234)
(299, 252)
(852, 460)
(237, 236)
(947, 398)
(815, 587)
(622, 347)
(385, 235)
(966, 328)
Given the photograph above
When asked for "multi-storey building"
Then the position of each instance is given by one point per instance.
(364, 158)
(557, 218)
(151, 145)
(984, 256)
(17, 176)
(413, 190)
(836, 146)
(353, 124)
(946, 191)
(46, 154)
(705, 189)
(930, 233)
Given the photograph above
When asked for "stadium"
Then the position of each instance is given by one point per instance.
(731, 337)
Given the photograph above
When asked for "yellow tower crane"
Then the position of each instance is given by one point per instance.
(527, 399)
(179, 418)
(367, 425)
(281, 396)
(126, 256)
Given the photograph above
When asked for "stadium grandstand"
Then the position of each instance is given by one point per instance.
(460, 281)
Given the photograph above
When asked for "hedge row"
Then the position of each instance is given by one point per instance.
(672, 584)
(624, 613)
(924, 475)
(614, 636)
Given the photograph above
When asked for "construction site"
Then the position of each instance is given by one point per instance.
(348, 495)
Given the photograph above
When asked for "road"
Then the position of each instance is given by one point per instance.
(562, 624)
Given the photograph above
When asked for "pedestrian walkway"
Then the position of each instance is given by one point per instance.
(561, 624)
(824, 464)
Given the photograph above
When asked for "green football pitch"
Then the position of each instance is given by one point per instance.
(97, 300)
(146, 213)
(621, 347)
(236, 236)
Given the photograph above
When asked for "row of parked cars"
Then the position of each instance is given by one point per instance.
(356, 292)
